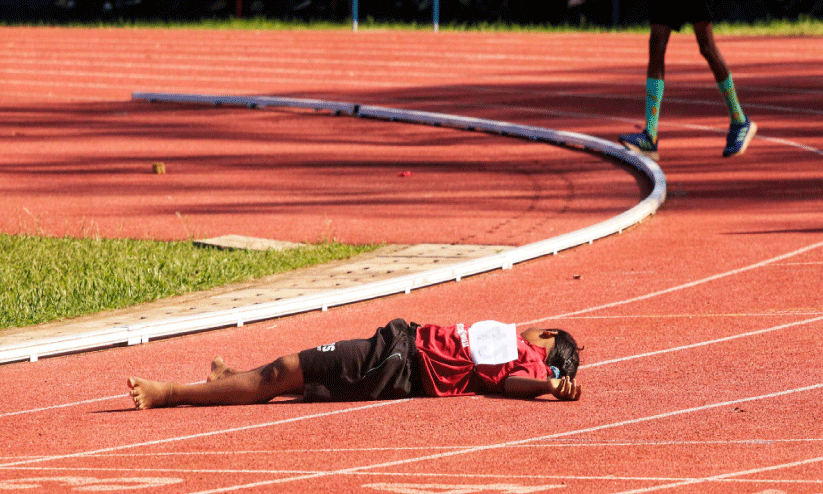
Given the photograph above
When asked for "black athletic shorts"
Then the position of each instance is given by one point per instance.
(383, 367)
(675, 13)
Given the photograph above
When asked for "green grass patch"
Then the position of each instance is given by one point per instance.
(47, 279)
(805, 25)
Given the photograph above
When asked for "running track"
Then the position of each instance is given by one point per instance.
(702, 367)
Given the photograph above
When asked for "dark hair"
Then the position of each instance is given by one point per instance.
(565, 354)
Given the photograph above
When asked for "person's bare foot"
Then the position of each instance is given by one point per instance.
(219, 370)
(149, 394)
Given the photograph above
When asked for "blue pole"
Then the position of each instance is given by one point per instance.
(436, 15)
(354, 15)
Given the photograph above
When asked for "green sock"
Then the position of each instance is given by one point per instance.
(654, 96)
(730, 96)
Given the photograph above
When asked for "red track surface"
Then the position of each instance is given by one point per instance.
(702, 367)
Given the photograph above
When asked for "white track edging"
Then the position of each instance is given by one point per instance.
(143, 332)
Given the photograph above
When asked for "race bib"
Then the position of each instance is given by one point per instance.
(493, 342)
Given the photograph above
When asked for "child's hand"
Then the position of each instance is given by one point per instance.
(565, 389)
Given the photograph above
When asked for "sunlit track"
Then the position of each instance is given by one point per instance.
(551, 436)
(553, 443)
(228, 80)
(706, 343)
(686, 320)
(729, 479)
(578, 314)
(684, 286)
(776, 140)
(471, 46)
(194, 436)
(273, 58)
(726, 476)
(258, 65)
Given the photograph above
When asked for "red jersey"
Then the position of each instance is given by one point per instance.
(448, 368)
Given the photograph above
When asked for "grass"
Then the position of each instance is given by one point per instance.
(805, 25)
(46, 279)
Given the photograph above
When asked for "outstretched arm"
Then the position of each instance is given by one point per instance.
(528, 387)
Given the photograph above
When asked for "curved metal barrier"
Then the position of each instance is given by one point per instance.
(143, 332)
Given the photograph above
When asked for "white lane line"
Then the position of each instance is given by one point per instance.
(65, 405)
(555, 443)
(341, 66)
(567, 315)
(532, 49)
(509, 444)
(415, 474)
(635, 122)
(696, 102)
(321, 56)
(678, 288)
(198, 435)
(776, 140)
(707, 315)
(72, 404)
(118, 71)
(270, 66)
(61, 98)
(564, 443)
(703, 343)
(57, 77)
(581, 94)
(234, 62)
(725, 476)
(352, 80)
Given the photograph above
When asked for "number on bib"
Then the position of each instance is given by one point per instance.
(493, 342)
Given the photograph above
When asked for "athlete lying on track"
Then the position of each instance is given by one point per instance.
(399, 361)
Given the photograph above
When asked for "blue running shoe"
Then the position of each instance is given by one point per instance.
(640, 143)
(740, 135)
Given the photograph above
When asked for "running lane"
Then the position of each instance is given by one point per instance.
(701, 325)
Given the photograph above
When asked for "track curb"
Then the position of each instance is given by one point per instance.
(145, 331)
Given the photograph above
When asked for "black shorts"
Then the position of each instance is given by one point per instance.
(675, 13)
(383, 367)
